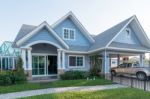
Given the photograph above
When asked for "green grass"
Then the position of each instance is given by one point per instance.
(60, 83)
(122, 93)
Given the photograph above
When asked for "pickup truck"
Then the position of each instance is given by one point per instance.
(142, 73)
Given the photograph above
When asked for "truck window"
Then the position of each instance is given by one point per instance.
(129, 65)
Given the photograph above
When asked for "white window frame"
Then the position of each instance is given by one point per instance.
(68, 33)
(76, 61)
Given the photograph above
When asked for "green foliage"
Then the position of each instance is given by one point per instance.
(8, 77)
(96, 65)
(71, 75)
(5, 78)
(19, 75)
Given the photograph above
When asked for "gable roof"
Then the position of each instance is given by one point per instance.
(77, 23)
(25, 29)
(102, 39)
(28, 35)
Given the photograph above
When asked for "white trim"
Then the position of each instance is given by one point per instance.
(126, 49)
(36, 54)
(69, 34)
(1, 63)
(59, 59)
(141, 28)
(63, 60)
(74, 67)
(44, 24)
(119, 32)
(43, 41)
(78, 24)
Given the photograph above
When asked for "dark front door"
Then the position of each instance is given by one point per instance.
(52, 64)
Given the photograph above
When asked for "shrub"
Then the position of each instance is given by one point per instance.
(5, 78)
(72, 75)
(96, 65)
(19, 75)
(8, 77)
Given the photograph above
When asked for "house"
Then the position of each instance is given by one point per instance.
(49, 50)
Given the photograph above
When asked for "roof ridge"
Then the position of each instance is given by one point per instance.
(115, 25)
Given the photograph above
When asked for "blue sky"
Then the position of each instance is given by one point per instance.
(95, 15)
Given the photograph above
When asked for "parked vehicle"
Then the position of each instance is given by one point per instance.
(142, 73)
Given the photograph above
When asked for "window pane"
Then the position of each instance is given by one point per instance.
(10, 63)
(72, 61)
(34, 71)
(79, 61)
(66, 33)
(41, 71)
(71, 34)
(3, 63)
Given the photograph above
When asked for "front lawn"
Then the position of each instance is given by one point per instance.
(60, 83)
(122, 93)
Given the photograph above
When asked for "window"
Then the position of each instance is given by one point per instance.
(69, 34)
(128, 32)
(75, 61)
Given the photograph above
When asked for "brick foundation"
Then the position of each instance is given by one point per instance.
(29, 74)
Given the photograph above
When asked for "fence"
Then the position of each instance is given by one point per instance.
(132, 82)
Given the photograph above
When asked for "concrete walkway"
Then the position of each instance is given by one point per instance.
(58, 90)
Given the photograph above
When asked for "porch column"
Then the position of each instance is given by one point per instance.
(29, 65)
(106, 64)
(63, 60)
(59, 59)
(142, 60)
(118, 59)
(13, 62)
(23, 56)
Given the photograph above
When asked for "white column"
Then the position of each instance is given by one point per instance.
(29, 59)
(63, 60)
(13, 63)
(23, 56)
(141, 60)
(59, 59)
(1, 63)
(106, 63)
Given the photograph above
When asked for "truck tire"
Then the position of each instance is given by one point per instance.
(141, 76)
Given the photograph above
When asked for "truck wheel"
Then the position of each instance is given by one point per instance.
(141, 76)
(113, 73)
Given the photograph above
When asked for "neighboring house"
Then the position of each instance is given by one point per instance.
(66, 45)
(8, 56)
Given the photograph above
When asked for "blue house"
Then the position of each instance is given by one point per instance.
(49, 50)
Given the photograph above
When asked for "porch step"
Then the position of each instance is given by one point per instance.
(44, 79)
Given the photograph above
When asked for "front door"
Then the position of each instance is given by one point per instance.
(52, 64)
(44, 65)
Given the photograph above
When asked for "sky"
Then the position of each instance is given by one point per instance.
(95, 15)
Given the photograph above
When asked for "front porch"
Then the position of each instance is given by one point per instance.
(43, 61)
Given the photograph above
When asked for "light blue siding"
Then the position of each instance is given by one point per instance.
(80, 39)
(123, 38)
(86, 62)
(43, 35)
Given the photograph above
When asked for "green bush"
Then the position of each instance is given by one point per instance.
(8, 77)
(5, 78)
(72, 75)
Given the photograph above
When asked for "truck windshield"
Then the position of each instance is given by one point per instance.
(136, 65)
